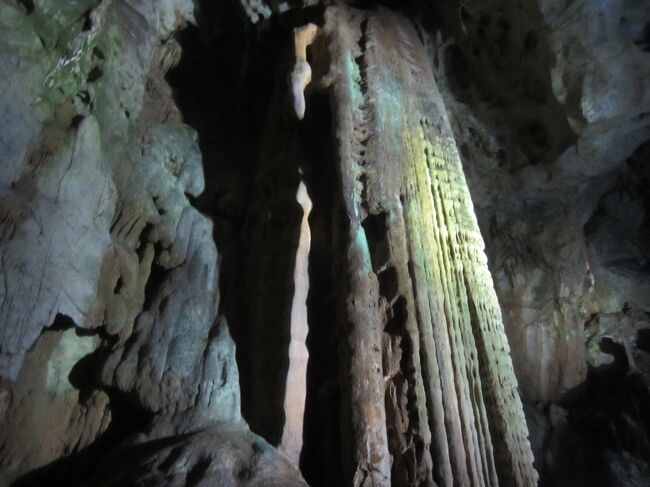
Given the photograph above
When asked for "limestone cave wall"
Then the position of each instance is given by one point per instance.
(320, 243)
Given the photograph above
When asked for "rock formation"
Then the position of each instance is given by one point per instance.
(284, 243)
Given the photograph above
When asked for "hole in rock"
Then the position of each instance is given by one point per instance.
(374, 226)
(530, 41)
(95, 74)
(195, 474)
(620, 364)
(388, 284)
(459, 69)
(28, 4)
(156, 275)
(88, 21)
(61, 322)
(397, 321)
(118, 285)
(76, 121)
(98, 53)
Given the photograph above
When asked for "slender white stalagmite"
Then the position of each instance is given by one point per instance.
(296, 387)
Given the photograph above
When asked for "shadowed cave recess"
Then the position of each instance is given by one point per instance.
(288, 243)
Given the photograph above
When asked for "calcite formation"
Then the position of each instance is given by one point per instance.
(237, 244)
(549, 102)
(301, 74)
(419, 287)
(428, 394)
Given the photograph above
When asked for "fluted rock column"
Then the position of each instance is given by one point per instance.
(429, 394)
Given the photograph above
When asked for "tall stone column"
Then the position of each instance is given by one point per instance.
(421, 324)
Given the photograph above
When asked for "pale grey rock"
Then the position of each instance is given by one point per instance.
(56, 229)
(256, 10)
(165, 16)
(97, 172)
(179, 362)
(45, 416)
(600, 63)
(180, 357)
(19, 123)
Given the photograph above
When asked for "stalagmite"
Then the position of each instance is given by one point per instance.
(296, 387)
(274, 354)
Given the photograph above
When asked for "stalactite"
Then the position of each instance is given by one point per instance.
(301, 74)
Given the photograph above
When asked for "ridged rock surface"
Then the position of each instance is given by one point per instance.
(420, 294)
(111, 338)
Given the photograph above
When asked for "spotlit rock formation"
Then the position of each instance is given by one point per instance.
(420, 298)
(238, 247)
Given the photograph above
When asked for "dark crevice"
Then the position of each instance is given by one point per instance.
(620, 364)
(361, 59)
(374, 226)
(28, 4)
(94, 74)
(195, 474)
(88, 21)
(388, 284)
(397, 320)
(227, 102)
(61, 323)
(320, 459)
(157, 276)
